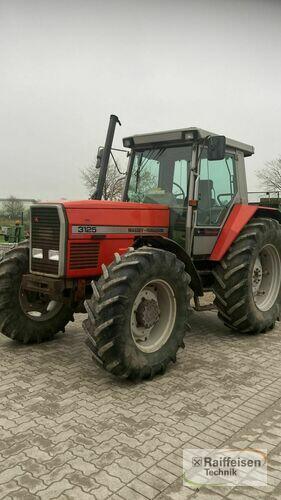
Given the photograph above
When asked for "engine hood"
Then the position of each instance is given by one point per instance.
(109, 205)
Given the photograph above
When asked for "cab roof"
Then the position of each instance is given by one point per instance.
(182, 135)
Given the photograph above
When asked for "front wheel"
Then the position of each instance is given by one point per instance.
(138, 314)
(247, 283)
(27, 316)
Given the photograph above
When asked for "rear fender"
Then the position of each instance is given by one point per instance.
(171, 246)
(238, 218)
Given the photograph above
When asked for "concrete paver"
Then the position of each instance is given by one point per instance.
(69, 430)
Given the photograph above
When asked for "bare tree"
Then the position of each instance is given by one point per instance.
(113, 186)
(270, 175)
(13, 208)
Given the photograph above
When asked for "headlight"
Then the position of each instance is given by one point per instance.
(37, 253)
(53, 255)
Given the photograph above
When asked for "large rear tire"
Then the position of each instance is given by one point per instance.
(24, 316)
(247, 282)
(137, 316)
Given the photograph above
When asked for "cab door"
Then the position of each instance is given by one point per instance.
(216, 192)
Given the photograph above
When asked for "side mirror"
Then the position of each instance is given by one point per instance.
(99, 157)
(216, 147)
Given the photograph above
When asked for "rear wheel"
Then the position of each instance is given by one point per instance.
(248, 280)
(27, 316)
(137, 316)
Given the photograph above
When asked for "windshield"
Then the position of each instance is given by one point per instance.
(160, 176)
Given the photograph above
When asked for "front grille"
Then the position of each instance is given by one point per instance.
(84, 255)
(45, 235)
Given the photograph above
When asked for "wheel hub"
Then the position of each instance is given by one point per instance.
(266, 277)
(148, 313)
(153, 315)
(37, 306)
(257, 275)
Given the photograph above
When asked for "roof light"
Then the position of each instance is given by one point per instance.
(189, 136)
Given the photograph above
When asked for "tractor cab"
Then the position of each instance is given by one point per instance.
(198, 174)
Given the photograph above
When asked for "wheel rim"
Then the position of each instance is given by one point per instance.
(266, 278)
(38, 306)
(153, 316)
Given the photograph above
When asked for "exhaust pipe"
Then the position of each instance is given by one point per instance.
(105, 155)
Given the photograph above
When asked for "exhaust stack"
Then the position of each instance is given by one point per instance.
(105, 155)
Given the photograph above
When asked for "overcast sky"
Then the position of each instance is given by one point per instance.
(157, 64)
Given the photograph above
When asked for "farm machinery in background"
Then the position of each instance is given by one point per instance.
(14, 233)
(184, 226)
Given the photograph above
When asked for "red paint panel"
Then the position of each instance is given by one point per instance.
(108, 247)
(109, 205)
(238, 217)
(119, 214)
(102, 213)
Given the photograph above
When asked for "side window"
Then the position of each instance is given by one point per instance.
(216, 190)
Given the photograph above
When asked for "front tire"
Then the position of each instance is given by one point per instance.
(20, 316)
(247, 282)
(137, 316)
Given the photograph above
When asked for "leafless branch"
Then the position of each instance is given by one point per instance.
(13, 208)
(113, 184)
(270, 175)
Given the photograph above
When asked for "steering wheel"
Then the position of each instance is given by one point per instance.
(220, 202)
(182, 193)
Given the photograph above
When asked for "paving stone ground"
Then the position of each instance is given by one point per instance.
(69, 430)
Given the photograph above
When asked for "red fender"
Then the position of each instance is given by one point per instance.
(237, 219)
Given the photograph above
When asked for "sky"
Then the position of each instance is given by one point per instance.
(66, 65)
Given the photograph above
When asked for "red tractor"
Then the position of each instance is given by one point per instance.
(184, 227)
